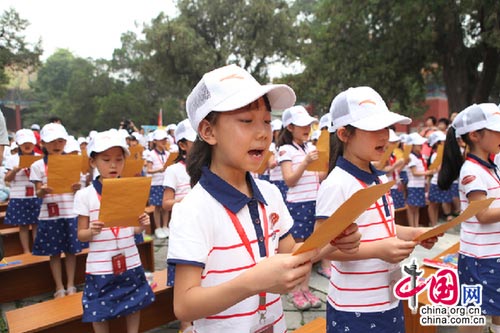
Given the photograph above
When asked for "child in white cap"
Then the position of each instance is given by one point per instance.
(177, 185)
(437, 197)
(229, 237)
(417, 169)
(360, 293)
(110, 293)
(295, 153)
(24, 206)
(275, 174)
(478, 126)
(156, 166)
(57, 224)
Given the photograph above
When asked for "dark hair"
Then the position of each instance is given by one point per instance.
(200, 154)
(433, 120)
(182, 153)
(337, 147)
(446, 121)
(452, 159)
(285, 137)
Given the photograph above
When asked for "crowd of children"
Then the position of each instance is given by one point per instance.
(232, 230)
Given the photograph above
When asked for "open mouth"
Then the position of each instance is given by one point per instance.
(380, 149)
(256, 152)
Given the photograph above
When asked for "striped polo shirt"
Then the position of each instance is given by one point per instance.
(20, 183)
(418, 163)
(202, 234)
(158, 159)
(477, 239)
(275, 173)
(104, 246)
(306, 188)
(177, 178)
(63, 201)
(359, 285)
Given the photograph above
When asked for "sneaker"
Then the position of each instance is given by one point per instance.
(159, 233)
(299, 300)
(313, 299)
(166, 231)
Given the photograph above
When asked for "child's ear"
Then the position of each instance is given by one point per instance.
(342, 134)
(206, 132)
(92, 162)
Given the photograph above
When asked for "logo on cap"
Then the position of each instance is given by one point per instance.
(232, 76)
(367, 101)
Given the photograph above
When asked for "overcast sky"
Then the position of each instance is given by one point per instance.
(90, 28)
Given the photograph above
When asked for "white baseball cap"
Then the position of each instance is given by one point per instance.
(171, 127)
(276, 125)
(159, 134)
(82, 140)
(229, 88)
(316, 134)
(25, 135)
(393, 137)
(53, 131)
(298, 116)
(363, 108)
(325, 121)
(71, 145)
(104, 140)
(477, 117)
(35, 127)
(184, 130)
(415, 139)
(435, 137)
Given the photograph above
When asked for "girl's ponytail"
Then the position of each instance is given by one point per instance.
(452, 161)
(199, 156)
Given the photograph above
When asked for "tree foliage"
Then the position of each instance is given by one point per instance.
(398, 46)
(15, 52)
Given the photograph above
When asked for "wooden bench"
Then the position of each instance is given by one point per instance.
(11, 242)
(33, 276)
(3, 206)
(65, 314)
(2, 225)
(318, 325)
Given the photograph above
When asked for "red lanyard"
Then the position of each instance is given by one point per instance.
(388, 226)
(246, 242)
(485, 168)
(114, 230)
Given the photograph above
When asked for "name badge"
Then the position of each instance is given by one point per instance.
(53, 209)
(265, 325)
(30, 191)
(119, 264)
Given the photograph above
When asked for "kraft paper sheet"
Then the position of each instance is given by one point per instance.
(62, 172)
(123, 200)
(346, 214)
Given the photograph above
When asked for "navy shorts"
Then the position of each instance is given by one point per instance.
(156, 195)
(303, 218)
(415, 196)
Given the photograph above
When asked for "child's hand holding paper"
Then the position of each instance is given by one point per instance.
(348, 241)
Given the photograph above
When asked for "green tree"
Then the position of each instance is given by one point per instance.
(397, 46)
(176, 52)
(15, 52)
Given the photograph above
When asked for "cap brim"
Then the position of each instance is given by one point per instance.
(305, 121)
(379, 121)
(280, 97)
(493, 126)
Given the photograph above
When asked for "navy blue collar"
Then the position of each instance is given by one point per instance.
(417, 155)
(299, 147)
(366, 177)
(159, 152)
(97, 185)
(488, 164)
(226, 194)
